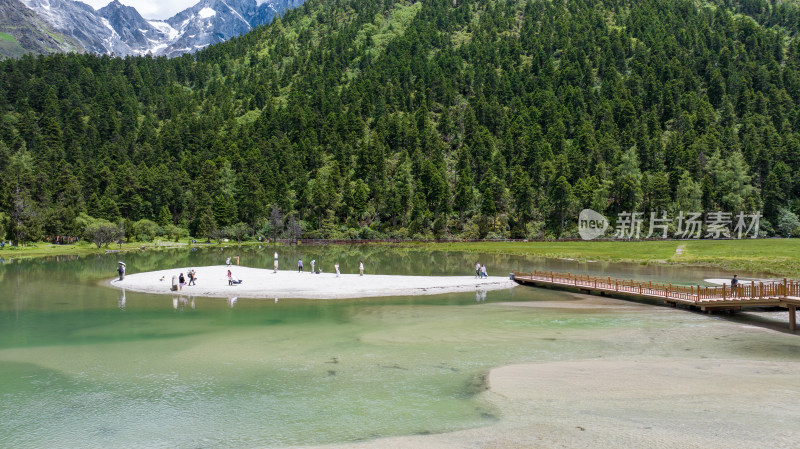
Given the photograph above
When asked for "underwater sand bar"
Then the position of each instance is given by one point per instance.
(264, 283)
(602, 403)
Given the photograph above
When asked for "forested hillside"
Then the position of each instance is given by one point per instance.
(440, 118)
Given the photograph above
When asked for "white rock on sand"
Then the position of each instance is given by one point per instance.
(263, 283)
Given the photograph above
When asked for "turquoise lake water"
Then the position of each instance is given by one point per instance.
(85, 365)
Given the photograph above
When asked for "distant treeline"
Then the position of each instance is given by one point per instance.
(438, 118)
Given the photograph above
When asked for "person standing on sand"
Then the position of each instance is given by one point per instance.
(336, 265)
(313, 261)
(181, 281)
(192, 277)
(275, 264)
(230, 278)
(477, 269)
(121, 270)
(299, 265)
(483, 272)
(361, 268)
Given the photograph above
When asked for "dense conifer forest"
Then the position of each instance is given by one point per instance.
(429, 119)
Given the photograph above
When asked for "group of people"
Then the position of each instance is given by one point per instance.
(179, 282)
(318, 271)
(313, 266)
(480, 271)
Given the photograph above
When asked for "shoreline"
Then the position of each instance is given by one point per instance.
(757, 257)
(264, 283)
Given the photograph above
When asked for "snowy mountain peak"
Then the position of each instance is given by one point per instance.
(121, 30)
(206, 12)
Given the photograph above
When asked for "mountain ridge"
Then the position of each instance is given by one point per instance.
(26, 32)
(120, 30)
(406, 119)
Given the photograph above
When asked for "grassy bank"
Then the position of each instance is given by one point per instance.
(776, 257)
(44, 249)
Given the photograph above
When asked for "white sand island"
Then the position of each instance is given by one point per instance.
(264, 283)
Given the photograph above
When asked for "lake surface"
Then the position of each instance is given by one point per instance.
(85, 365)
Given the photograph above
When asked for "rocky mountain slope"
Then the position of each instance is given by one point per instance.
(44, 26)
(23, 31)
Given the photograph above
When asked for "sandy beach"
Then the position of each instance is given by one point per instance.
(264, 283)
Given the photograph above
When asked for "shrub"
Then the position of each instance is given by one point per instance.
(102, 232)
(146, 230)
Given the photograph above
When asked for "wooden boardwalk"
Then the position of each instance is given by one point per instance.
(784, 294)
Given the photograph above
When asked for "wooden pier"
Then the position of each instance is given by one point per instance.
(784, 293)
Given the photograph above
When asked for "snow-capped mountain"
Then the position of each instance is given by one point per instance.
(82, 23)
(213, 21)
(132, 28)
(24, 33)
(120, 30)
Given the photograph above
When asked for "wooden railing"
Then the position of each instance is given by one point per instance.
(684, 293)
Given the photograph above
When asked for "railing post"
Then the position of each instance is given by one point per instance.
(723, 292)
(698, 293)
(784, 288)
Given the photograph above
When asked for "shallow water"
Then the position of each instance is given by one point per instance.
(84, 365)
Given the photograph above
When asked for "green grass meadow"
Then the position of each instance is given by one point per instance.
(775, 257)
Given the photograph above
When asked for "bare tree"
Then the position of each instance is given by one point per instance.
(294, 228)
